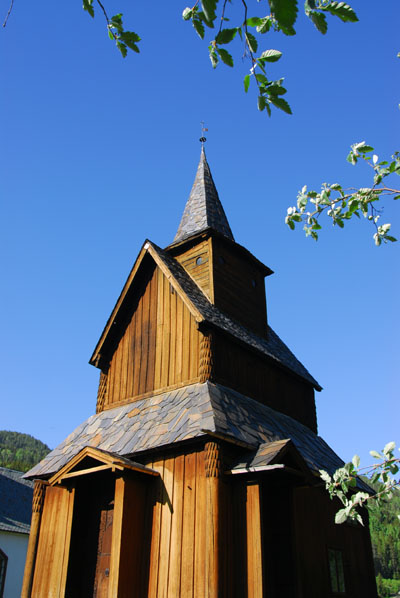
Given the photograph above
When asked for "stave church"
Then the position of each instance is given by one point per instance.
(198, 474)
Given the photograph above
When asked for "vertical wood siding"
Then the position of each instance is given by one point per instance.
(159, 348)
(178, 550)
(234, 292)
(201, 273)
(316, 531)
(53, 547)
(244, 371)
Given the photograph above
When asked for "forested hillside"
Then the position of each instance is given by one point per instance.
(385, 536)
(20, 451)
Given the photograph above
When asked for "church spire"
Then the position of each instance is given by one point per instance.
(203, 209)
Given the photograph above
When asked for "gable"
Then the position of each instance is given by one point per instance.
(154, 343)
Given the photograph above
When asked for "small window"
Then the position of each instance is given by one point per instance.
(336, 571)
(221, 259)
(253, 283)
(199, 261)
(3, 569)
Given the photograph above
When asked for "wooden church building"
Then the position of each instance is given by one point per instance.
(198, 475)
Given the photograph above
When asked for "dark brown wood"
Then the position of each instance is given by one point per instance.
(238, 367)
(239, 286)
(316, 531)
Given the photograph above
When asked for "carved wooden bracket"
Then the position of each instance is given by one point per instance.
(102, 392)
(213, 461)
(39, 491)
(206, 357)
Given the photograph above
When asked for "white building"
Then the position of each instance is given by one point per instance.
(15, 517)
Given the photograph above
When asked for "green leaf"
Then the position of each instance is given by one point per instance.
(351, 158)
(87, 5)
(285, 12)
(319, 20)
(341, 516)
(271, 55)
(261, 79)
(280, 103)
(187, 13)
(225, 56)
(116, 22)
(122, 49)
(203, 18)
(209, 7)
(276, 90)
(246, 83)
(362, 149)
(226, 35)
(375, 454)
(251, 42)
(199, 27)
(254, 22)
(213, 56)
(261, 103)
(265, 25)
(390, 446)
(343, 11)
(129, 38)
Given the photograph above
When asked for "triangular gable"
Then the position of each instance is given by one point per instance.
(270, 456)
(148, 249)
(91, 460)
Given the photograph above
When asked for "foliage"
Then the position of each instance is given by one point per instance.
(20, 451)
(387, 587)
(385, 537)
(123, 39)
(341, 204)
(343, 483)
(281, 15)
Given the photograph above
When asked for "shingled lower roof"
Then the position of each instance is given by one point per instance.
(15, 501)
(185, 414)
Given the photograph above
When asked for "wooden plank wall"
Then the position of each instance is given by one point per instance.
(237, 367)
(178, 551)
(316, 531)
(53, 547)
(201, 273)
(159, 349)
(234, 292)
(131, 538)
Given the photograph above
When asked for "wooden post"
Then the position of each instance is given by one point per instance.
(214, 564)
(37, 509)
(254, 541)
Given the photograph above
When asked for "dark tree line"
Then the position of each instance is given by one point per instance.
(20, 451)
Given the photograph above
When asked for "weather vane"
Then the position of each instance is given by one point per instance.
(203, 129)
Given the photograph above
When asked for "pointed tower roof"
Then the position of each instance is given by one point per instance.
(203, 209)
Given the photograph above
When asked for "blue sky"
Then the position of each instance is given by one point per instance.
(99, 153)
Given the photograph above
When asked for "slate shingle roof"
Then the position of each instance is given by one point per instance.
(185, 414)
(271, 346)
(15, 501)
(203, 209)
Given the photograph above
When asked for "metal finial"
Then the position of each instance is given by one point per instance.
(203, 129)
